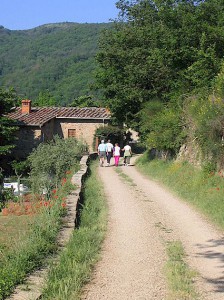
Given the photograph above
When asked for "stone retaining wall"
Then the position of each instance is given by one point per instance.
(31, 289)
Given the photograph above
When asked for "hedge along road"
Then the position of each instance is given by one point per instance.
(134, 251)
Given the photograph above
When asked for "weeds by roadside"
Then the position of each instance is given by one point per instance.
(180, 277)
(125, 177)
(202, 189)
(67, 277)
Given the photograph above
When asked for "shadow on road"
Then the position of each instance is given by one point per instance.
(214, 249)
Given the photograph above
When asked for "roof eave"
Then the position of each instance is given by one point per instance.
(106, 118)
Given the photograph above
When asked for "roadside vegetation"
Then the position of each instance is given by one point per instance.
(73, 269)
(180, 277)
(125, 177)
(161, 71)
(201, 187)
(30, 224)
(34, 239)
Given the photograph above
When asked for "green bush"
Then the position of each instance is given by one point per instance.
(205, 119)
(166, 133)
(50, 161)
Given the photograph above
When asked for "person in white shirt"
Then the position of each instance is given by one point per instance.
(109, 150)
(127, 154)
(116, 154)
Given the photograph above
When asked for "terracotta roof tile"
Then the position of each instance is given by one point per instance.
(40, 115)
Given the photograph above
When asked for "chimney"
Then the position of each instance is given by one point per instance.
(26, 106)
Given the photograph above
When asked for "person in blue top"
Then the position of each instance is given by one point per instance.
(102, 150)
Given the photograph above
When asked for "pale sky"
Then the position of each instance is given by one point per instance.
(27, 14)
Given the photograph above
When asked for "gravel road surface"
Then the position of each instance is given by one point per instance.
(143, 216)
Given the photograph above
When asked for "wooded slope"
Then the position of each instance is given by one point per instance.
(58, 58)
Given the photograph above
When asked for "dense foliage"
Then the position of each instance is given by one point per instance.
(54, 61)
(7, 101)
(204, 121)
(113, 133)
(156, 57)
(59, 155)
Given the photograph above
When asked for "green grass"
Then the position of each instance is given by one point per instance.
(67, 277)
(12, 228)
(203, 190)
(31, 250)
(180, 277)
(124, 176)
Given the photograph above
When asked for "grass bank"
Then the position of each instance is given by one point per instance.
(31, 247)
(67, 277)
(202, 189)
(179, 276)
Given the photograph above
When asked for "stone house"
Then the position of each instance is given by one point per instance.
(40, 124)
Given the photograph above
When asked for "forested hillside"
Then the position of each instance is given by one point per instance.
(54, 60)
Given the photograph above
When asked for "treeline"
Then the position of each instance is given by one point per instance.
(161, 71)
(52, 63)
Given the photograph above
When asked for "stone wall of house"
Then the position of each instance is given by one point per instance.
(27, 139)
(48, 130)
(84, 129)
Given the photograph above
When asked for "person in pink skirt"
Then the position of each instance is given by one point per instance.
(116, 154)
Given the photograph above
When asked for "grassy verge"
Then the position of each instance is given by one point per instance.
(12, 228)
(203, 190)
(124, 176)
(179, 276)
(29, 251)
(67, 277)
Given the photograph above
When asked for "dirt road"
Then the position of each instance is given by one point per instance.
(142, 217)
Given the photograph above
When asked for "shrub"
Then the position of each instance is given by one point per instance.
(50, 161)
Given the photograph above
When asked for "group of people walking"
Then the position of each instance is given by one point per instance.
(107, 150)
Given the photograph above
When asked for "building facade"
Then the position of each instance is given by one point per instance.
(41, 124)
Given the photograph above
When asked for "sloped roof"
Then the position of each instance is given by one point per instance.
(40, 115)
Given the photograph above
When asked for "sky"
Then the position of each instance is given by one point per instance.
(27, 14)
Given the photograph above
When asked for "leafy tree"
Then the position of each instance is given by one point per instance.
(159, 49)
(166, 132)
(85, 101)
(45, 99)
(7, 129)
(115, 134)
(146, 116)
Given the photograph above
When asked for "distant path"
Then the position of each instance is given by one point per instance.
(133, 255)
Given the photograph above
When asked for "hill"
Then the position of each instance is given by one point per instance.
(58, 58)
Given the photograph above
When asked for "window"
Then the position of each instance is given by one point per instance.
(72, 133)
